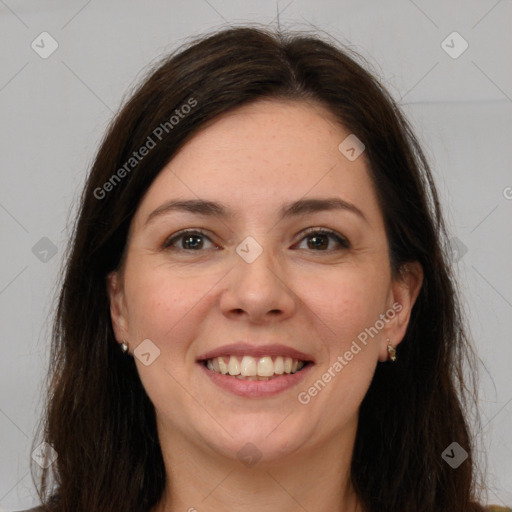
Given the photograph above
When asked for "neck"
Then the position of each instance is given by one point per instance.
(317, 479)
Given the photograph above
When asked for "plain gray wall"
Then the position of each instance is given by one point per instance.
(55, 109)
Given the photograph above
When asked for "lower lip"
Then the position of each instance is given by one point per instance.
(257, 388)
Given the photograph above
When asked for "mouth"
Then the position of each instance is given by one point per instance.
(255, 370)
(263, 368)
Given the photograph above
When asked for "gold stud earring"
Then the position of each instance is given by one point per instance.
(391, 351)
(125, 346)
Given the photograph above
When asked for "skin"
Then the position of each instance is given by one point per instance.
(254, 160)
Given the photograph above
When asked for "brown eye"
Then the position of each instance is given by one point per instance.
(318, 239)
(191, 240)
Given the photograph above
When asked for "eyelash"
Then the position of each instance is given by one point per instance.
(344, 243)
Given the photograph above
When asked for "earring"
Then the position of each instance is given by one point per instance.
(125, 346)
(391, 351)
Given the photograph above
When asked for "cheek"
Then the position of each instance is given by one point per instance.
(161, 303)
(345, 305)
(163, 307)
(354, 353)
(346, 301)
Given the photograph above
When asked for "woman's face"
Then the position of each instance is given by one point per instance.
(258, 276)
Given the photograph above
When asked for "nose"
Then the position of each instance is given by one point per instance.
(259, 291)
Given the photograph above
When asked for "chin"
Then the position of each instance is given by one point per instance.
(267, 439)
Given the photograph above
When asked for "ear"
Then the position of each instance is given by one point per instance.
(404, 292)
(118, 312)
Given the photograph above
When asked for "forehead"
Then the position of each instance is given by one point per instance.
(261, 155)
(269, 130)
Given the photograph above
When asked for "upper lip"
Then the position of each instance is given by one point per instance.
(260, 350)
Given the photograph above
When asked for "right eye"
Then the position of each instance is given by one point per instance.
(191, 240)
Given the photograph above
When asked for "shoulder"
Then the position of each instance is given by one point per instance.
(35, 509)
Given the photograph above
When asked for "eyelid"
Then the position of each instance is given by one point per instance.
(342, 240)
(169, 241)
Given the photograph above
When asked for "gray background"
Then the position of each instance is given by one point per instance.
(55, 110)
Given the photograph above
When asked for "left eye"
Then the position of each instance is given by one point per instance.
(318, 239)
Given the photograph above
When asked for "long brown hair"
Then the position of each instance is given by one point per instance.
(99, 418)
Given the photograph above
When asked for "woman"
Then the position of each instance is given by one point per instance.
(257, 310)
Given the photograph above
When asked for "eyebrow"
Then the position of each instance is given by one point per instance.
(214, 209)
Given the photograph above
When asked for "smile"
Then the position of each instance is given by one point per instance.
(257, 370)
(254, 368)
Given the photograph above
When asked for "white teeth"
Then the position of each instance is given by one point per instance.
(222, 365)
(279, 366)
(251, 368)
(233, 366)
(265, 367)
(248, 367)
